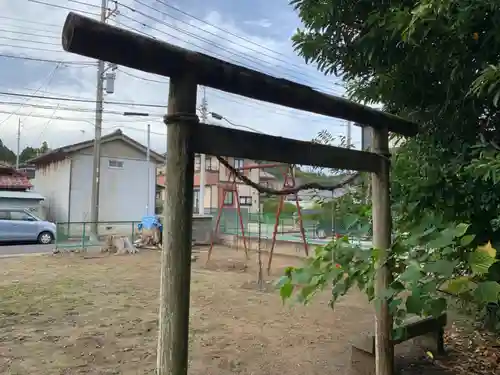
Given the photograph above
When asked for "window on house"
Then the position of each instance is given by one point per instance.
(239, 163)
(245, 201)
(228, 198)
(197, 162)
(210, 163)
(118, 164)
(196, 200)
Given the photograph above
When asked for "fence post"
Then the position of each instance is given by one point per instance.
(56, 241)
(83, 236)
(384, 350)
(173, 337)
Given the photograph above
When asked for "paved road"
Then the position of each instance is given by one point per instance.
(25, 249)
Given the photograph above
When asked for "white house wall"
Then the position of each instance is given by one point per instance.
(81, 188)
(123, 191)
(53, 182)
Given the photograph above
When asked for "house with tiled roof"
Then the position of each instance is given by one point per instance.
(15, 189)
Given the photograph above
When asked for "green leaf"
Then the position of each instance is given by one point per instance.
(414, 304)
(394, 305)
(444, 239)
(466, 240)
(442, 267)
(438, 306)
(387, 294)
(412, 273)
(480, 262)
(286, 291)
(459, 285)
(282, 281)
(307, 292)
(487, 292)
(461, 229)
(496, 98)
(301, 276)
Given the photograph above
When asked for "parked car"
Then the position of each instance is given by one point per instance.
(18, 225)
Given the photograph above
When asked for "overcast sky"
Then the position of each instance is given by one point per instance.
(255, 33)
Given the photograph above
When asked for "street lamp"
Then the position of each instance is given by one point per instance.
(217, 116)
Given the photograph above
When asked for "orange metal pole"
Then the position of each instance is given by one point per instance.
(275, 230)
(299, 214)
(238, 208)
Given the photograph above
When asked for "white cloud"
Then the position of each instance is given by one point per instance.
(271, 55)
(260, 23)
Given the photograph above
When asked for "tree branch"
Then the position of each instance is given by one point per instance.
(286, 191)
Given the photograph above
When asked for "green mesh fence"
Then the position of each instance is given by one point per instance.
(80, 234)
(319, 226)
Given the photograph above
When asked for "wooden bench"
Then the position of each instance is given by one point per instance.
(429, 332)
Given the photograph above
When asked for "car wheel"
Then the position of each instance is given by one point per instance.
(45, 238)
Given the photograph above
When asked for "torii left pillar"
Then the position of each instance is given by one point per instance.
(173, 335)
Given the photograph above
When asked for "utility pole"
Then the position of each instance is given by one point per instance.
(18, 142)
(349, 137)
(94, 208)
(148, 158)
(204, 117)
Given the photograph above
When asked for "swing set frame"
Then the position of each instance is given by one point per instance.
(288, 173)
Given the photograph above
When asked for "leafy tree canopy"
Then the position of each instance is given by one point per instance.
(437, 63)
(7, 155)
(432, 61)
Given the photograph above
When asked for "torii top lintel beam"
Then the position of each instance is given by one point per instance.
(91, 38)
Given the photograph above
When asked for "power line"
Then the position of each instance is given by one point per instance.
(70, 109)
(67, 99)
(142, 78)
(28, 34)
(89, 120)
(28, 58)
(29, 41)
(259, 50)
(85, 4)
(63, 7)
(132, 128)
(49, 80)
(27, 28)
(32, 48)
(215, 26)
(227, 32)
(256, 61)
(29, 21)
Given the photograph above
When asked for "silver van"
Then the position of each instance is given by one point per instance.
(18, 225)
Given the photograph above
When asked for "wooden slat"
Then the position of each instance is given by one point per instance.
(218, 140)
(88, 37)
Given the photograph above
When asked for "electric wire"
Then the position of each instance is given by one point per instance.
(30, 41)
(49, 80)
(29, 58)
(29, 21)
(242, 102)
(70, 109)
(69, 99)
(258, 50)
(256, 61)
(63, 7)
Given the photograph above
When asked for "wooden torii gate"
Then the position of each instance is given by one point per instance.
(187, 69)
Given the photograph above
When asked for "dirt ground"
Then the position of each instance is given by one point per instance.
(68, 314)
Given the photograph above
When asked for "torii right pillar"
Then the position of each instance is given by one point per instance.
(382, 223)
